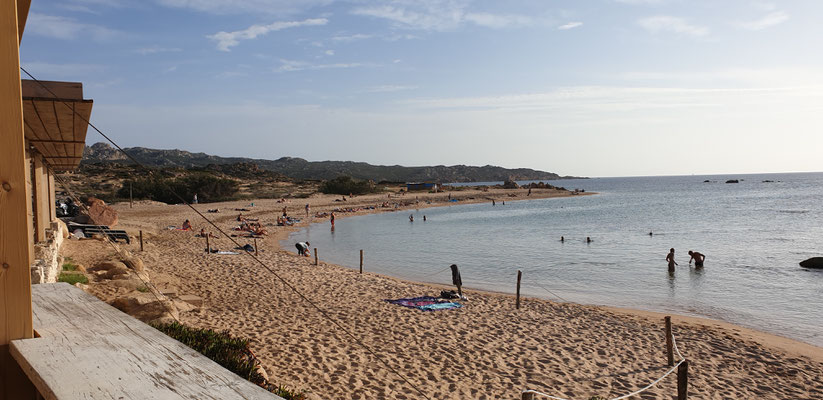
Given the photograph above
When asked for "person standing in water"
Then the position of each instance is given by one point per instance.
(331, 218)
(670, 259)
(697, 257)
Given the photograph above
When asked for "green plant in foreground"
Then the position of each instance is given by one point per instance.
(68, 265)
(73, 278)
(143, 289)
(230, 352)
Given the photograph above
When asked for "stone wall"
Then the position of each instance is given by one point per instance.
(47, 259)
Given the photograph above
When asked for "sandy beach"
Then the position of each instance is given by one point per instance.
(484, 350)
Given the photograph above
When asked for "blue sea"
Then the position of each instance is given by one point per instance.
(753, 234)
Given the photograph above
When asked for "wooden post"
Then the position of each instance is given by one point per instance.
(52, 197)
(527, 396)
(39, 188)
(208, 246)
(518, 289)
(131, 199)
(683, 381)
(141, 240)
(255, 246)
(315, 257)
(669, 349)
(361, 261)
(16, 241)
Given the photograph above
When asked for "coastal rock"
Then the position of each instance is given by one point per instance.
(146, 308)
(509, 184)
(732, 181)
(814, 263)
(134, 263)
(100, 213)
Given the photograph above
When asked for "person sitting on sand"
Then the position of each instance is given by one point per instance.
(186, 225)
(302, 248)
(697, 257)
(670, 259)
(240, 217)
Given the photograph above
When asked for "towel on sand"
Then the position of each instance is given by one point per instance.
(426, 303)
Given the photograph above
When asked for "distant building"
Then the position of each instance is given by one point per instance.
(428, 186)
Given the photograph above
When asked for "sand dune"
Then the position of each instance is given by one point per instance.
(485, 350)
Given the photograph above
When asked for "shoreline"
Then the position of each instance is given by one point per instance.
(790, 345)
(486, 349)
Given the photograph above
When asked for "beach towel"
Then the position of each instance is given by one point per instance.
(227, 252)
(426, 303)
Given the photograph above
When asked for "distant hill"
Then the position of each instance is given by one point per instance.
(299, 168)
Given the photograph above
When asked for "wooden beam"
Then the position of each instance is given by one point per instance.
(52, 90)
(40, 190)
(52, 197)
(16, 248)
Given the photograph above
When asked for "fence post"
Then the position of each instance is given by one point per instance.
(518, 291)
(131, 200)
(361, 261)
(683, 381)
(669, 350)
(141, 240)
(208, 246)
(255, 246)
(527, 396)
(315, 257)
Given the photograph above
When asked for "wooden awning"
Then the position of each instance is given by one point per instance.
(56, 126)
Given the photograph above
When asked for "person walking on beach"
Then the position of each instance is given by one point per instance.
(307, 210)
(456, 280)
(194, 200)
(670, 259)
(331, 218)
(302, 248)
(697, 257)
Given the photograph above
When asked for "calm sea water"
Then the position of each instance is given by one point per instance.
(753, 234)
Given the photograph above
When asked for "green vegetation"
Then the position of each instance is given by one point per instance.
(69, 265)
(346, 185)
(208, 188)
(230, 352)
(143, 289)
(72, 278)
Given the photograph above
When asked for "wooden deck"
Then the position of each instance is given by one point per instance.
(87, 349)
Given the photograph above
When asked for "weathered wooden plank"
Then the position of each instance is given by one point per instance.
(16, 249)
(52, 89)
(90, 350)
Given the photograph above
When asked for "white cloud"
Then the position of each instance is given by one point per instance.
(65, 28)
(294, 65)
(434, 15)
(570, 25)
(497, 21)
(772, 19)
(351, 38)
(389, 88)
(157, 49)
(665, 23)
(226, 40)
(269, 7)
(329, 52)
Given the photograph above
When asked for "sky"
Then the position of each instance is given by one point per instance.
(585, 88)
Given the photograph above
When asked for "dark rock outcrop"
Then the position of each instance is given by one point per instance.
(814, 263)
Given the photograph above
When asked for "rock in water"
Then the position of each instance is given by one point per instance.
(732, 181)
(814, 262)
